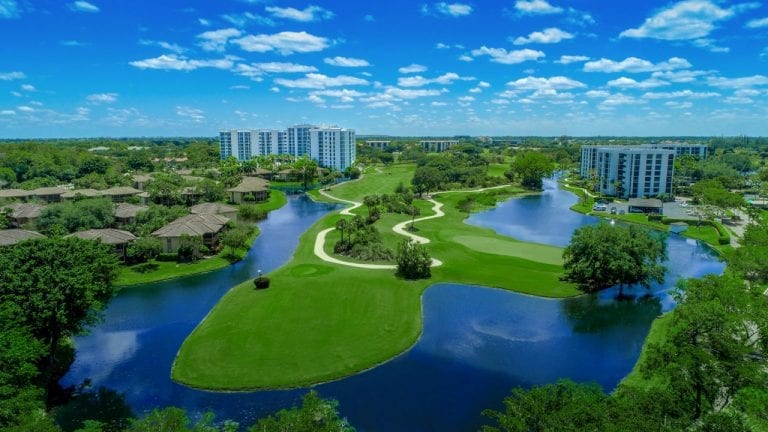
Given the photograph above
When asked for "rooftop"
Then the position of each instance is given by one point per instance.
(12, 236)
(107, 235)
(211, 208)
(193, 225)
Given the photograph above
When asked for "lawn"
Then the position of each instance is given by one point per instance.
(156, 271)
(320, 321)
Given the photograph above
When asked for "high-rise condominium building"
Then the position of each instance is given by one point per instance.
(629, 172)
(330, 147)
(333, 147)
(437, 145)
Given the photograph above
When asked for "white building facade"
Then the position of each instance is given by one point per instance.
(437, 145)
(329, 146)
(629, 172)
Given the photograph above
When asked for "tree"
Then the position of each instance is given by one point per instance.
(165, 188)
(236, 238)
(413, 211)
(413, 260)
(211, 190)
(387, 158)
(314, 415)
(426, 178)
(190, 248)
(307, 170)
(342, 226)
(144, 249)
(531, 167)
(603, 255)
(564, 406)
(78, 216)
(231, 173)
(61, 284)
(372, 202)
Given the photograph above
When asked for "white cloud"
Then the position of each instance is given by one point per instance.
(738, 83)
(500, 102)
(466, 58)
(678, 105)
(320, 81)
(500, 55)
(476, 90)
(344, 95)
(174, 62)
(710, 45)
(216, 40)
(26, 109)
(256, 70)
(101, 98)
(369, 18)
(245, 18)
(635, 65)
(617, 99)
(412, 68)
(410, 93)
(466, 98)
(597, 94)
(537, 7)
(164, 45)
(28, 87)
(284, 43)
(239, 87)
(420, 81)
(625, 82)
(758, 23)
(483, 84)
(83, 6)
(346, 62)
(195, 114)
(689, 19)
(441, 45)
(10, 76)
(679, 76)
(203, 22)
(436, 103)
(680, 94)
(553, 83)
(308, 14)
(568, 59)
(9, 9)
(453, 9)
(547, 36)
(8, 112)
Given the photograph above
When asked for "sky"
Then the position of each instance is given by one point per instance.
(133, 68)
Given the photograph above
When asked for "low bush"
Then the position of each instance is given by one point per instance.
(167, 257)
(261, 282)
(251, 212)
(724, 240)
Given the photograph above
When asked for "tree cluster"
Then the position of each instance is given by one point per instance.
(361, 240)
(413, 260)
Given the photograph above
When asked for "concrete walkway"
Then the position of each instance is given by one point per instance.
(400, 228)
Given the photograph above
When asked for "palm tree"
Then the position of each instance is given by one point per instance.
(342, 226)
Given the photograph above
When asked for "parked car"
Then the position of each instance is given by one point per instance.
(613, 210)
(599, 207)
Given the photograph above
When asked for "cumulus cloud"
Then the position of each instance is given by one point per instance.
(256, 70)
(181, 63)
(164, 45)
(453, 9)
(284, 43)
(685, 20)
(757, 23)
(83, 6)
(680, 94)
(710, 45)
(419, 81)
(101, 98)
(635, 65)
(346, 62)
(10, 76)
(245, 18)
(625, 82)
(412, 68)
(28, 87)
(194, 114)
(320, 81)
(738, 83)
(501, 55)
(9, 9)
(216, 40)
(536, 7)
(308, 14)
(568, 59)
(547, 36)
(553, 83)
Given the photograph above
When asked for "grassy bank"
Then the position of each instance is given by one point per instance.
(320, 321)
(156, 271)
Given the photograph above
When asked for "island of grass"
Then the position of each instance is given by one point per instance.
(320, 321)
(156, 271)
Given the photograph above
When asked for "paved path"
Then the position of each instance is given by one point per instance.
(400, 228)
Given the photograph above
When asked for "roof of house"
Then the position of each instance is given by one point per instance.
(15, 193)
(251, 184)
(194, 224)
(107, 235)
(120, 190)
(141, 178)
(191, 190)
(211, 208)
(24, 211)
(49, 191)
(645, 202)
(12, 236)
(126, 210)
(82, 192)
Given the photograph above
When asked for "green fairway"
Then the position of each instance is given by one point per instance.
(536, 252)
(320, 321)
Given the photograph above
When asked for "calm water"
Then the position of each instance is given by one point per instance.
(477, 343)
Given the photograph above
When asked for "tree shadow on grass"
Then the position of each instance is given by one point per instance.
(145, 268)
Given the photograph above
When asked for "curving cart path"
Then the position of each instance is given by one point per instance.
(399, 229)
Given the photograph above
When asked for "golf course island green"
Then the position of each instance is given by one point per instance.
(322, 321)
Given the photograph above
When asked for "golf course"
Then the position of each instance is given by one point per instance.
(321, 321)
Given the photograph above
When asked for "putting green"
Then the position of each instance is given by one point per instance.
(530, 251)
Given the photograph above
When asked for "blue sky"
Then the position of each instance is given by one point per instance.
(514, 67)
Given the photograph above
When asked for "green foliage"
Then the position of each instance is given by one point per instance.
(237, 238)
(61, 284)
(352, 172)
(600, 256)
(362, 241)
(306, 169)
(314, 415)
(413, 260)
(251, 212)
(230, 172)
(427, 178)
(100, 410)
(165, 188)
(211, 190)
(565, 406)
(144, 249)
(156, 217)
(530, 167)
(190, 248)
(77, 216)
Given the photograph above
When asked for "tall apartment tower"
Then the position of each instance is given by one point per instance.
(299, 139)
(333, 147)
(272, 141)
(629, 172)
(239, 143)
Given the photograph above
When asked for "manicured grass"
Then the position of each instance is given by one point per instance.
(536, 252)
(657, 334)
(497, 170)
(375, 181)
(321, 321)
(158, 271)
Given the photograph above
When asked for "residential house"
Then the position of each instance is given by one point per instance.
(640, 205)
(140, 181)
(125, 213)
(215, 208)
(120, 193)
(119, 239)
(81, 193)
(19, 194)
(207, 226)
(22, 214)
(11, 237)
(49, 194)
(250, 189)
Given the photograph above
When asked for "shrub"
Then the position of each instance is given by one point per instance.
(167, 257)
(261, 282)
(654, 218)
(251, 212)
(413, 261)
(723, 240)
